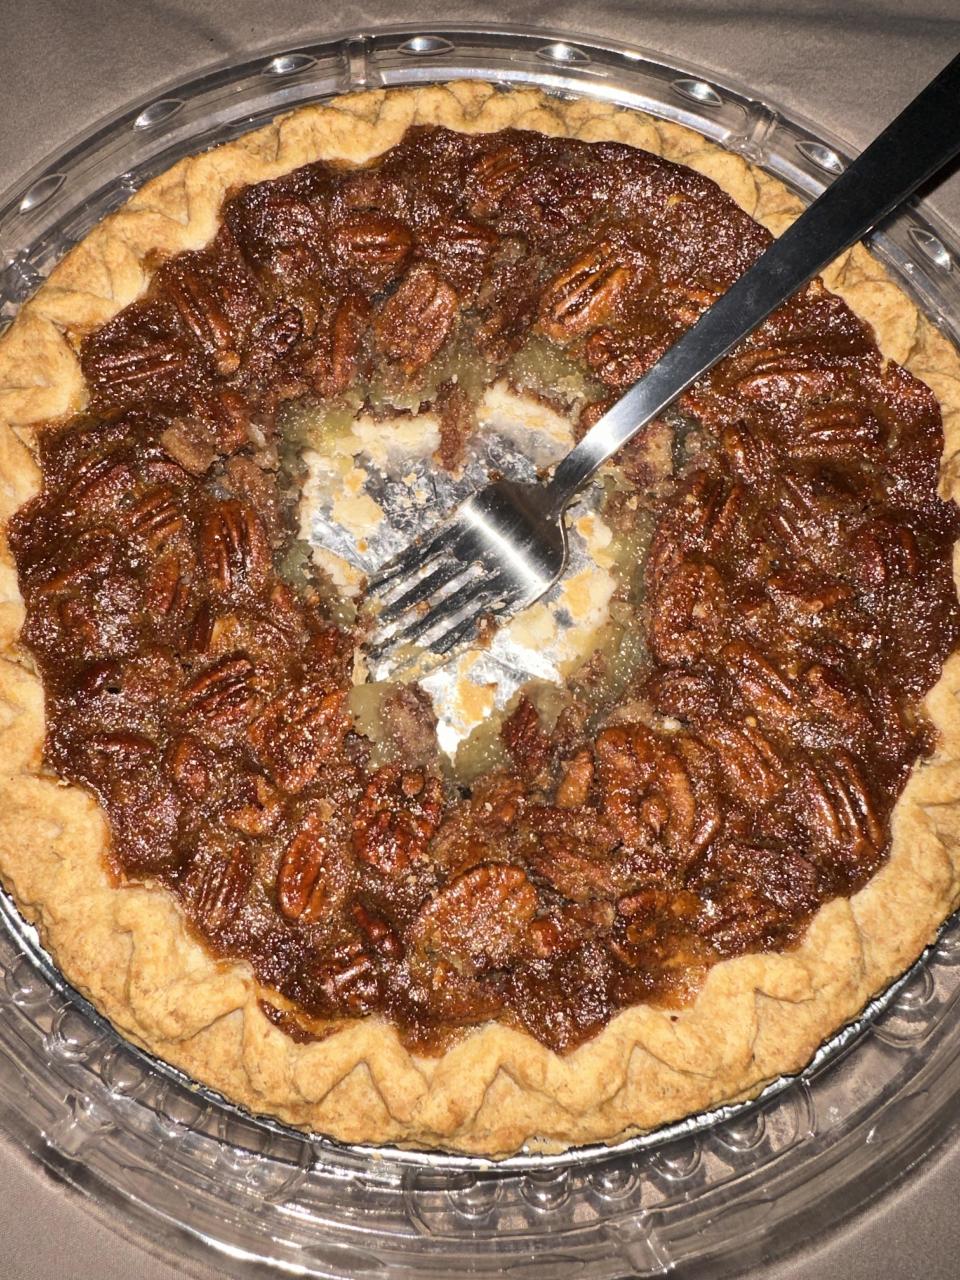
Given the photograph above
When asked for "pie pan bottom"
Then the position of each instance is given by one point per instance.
(101, 1111)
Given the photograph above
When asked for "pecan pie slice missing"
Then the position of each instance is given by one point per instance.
(717, 777)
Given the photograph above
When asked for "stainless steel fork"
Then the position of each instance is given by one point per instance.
(506, 545)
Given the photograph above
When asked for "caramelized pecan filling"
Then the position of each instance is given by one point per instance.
(795, 604)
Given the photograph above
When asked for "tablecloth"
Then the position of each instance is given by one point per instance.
(847, 64)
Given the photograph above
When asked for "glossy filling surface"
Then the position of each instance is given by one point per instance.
(724, 761)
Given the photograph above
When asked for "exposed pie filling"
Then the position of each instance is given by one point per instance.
(724, 762)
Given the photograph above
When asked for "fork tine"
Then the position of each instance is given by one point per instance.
(415, 555)
(447, 571)
(478, 590)
(460, 631)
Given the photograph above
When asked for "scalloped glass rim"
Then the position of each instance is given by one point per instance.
(722, 1190)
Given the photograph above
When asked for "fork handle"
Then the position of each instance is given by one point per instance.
(920, 140)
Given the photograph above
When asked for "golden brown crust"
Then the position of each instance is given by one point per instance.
(128, 949)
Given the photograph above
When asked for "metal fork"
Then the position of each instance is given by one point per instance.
(505, 546)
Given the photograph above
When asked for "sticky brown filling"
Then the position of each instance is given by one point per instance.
(728, 758)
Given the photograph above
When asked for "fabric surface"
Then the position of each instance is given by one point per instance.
(849, 66)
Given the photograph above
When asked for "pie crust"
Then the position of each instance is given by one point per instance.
(127, 948)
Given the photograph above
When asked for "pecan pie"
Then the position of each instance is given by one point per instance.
(657, 887)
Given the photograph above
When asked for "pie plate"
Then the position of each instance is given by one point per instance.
(717, 1193)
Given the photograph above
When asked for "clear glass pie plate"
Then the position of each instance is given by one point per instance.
(717, 1194)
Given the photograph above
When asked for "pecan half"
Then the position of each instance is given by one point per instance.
(335, 369)
(753, 895)
(156, 517)
(837, 430)
(281, 226)
(491, 177)
(711, 511)
(690, 613)
(760, 685)
(313, 878)
(217, 884)
(838, 810)
(751, 766)
(416, 321)
(89, 558)
(396, 818)
(657, 792)
(584, 294)
(296, 733)
(224, 694)
(574, 867)
(349, 978)
(216, 297)
(374, 245)
(234, 550)
(523, 736)
(123, 748)
(567, 928)
(478, 920)
(461, 239)
(462, 249)
(777, 375)
(802, 597)
(142, 356)
(98, 490)
(199, 307)
(380, 937)
(655, 925)
(833, 703)
(883, 549)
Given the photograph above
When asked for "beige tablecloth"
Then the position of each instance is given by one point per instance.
(848, 65)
